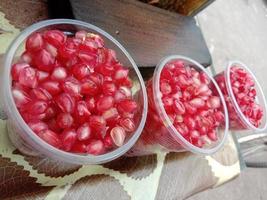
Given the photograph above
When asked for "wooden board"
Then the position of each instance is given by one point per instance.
(148, 33)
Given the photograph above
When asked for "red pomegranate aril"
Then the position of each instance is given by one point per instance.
(121, 74)
(55, 37)
(37, 107)
(42, 76)
(194, 135)
(165, 88)
(81, 112)
(197, 102)
(28, 77)
(34, 42)
(44, 60)
(214, 102)
(110, 114)
(40, 93)
(89, 87)
(16, 69)
(80, 71)
(65, 102)
(104, 103)
(182, 129)
(59, 74)
(98, 124)
(118, 135)
(72, 86)
(64, 120)
(78, 147)
(20, 97)
(52, 87)
(88, 58)
(178, 107)
(84, 132)
(108, 88)
(26, 57)
(190, 122)
(91, 104)
(95, 147)
(212, 135)
(96, 78)
(51, 49)
(68, 138)
(127, 124)
(50, 137)
(108, 143)
(128, 106)
(52, 124)
(37, 126)
(51, 112)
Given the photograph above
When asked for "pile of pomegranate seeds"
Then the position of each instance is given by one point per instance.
(245, 93)
(192, 107)
(73, 92)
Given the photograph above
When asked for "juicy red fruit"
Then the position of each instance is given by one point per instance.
(74, 93)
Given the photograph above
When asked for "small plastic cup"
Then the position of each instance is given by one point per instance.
(237, 119)
(159, 133)
(20, 133)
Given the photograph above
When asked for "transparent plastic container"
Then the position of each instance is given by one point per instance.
(20, 133)
(237, 120)
(159, 133)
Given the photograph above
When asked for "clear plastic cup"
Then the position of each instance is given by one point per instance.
(159, 133)
(20, 133)
(237, 120)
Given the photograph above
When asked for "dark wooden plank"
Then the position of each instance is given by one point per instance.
(148, 33)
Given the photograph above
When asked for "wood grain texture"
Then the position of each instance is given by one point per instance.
(147, 32)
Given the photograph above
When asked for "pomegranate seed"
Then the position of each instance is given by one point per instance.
(90, 102)
(81, 35)
(81, 112)
(59, 74)
(96, 78)
(16, 69)
(110, 114)
(37, 107)
(28, 77)
(118, 135)
(214, 102)
(127, 124)
(87, 57)
(40, 93)
(78, 147)
(55, 37)
(204, 78)
(26, 57)
(44, 60)
(52, 124)
(108, 143)
(84, 132)
(89, 87)
(165, 88)
(51, 49)
(64, 120)
(68, 138)
(197, 102)
(104, 103)
(190, 123)
(95, 147)
(98, 124)
(194, 135)
(65, 102)
(52, 87)
(42, 76)
(128, 106)
(34, 42)
(121, 74)
(20, 97)
(71, 86)
(108, 88)
(80, 71)
(178, 107)
(50, 137)
(37, 126)
(212, 135)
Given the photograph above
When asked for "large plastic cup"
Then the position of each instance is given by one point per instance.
(20, 133)
(159, 133)
(237, 119)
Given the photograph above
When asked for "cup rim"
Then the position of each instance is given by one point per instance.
(166, 120)
(32, 138)
(233, 99)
